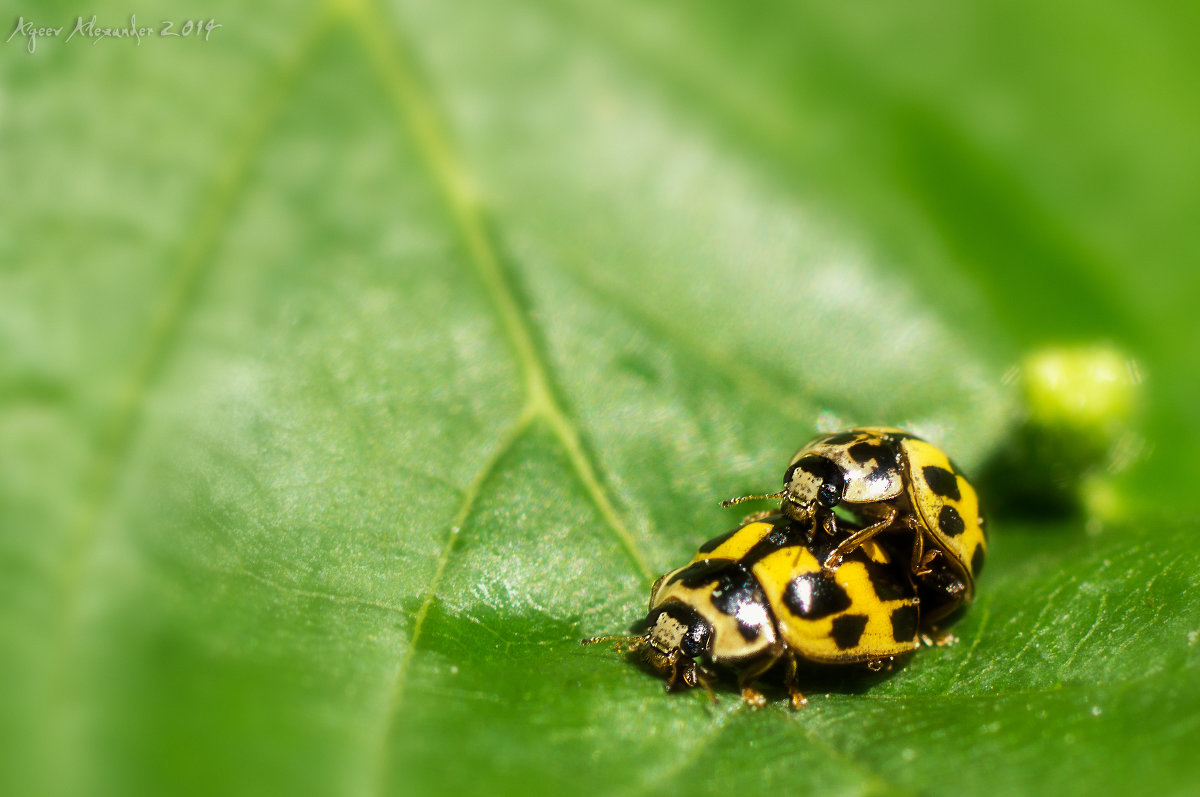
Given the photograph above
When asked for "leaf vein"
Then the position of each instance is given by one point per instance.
(984, 614)
(395, 697)
(694, 752)
(795, 401)
(1070, 662)
(1031, 632)
(291, 589)
(449, 174)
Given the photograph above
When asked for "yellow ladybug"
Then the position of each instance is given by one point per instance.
(758, 596)
(895, 482)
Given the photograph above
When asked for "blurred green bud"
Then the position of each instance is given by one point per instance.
(1081, 405)
(1086, 393)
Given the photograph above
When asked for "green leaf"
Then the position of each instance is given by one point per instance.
(357, 361)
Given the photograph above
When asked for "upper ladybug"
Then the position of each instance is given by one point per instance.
(896, 482)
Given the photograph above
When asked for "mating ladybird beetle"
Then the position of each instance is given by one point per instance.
(892, 480)
(759, 596)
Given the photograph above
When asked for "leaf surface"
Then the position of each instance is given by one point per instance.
(357, 362)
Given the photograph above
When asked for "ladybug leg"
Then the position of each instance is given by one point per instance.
(938, 637)
(829, 523)
(858, 538)
(798, 698)
(923, 567)
(754, 517)
(751, 695)
(920, 559)
(674, 679)
(754, 697)
(881, 665)
(918, 553)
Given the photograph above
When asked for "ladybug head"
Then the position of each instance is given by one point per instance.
(674, 637)
(676, 629)
(812, 483)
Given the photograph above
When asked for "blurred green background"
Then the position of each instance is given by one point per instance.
(357, 359)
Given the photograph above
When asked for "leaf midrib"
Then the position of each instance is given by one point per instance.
(412, 102)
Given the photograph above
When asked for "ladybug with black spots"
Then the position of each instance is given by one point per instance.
(758, 597)
(894, 482)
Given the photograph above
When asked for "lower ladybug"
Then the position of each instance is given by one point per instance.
(758, 596)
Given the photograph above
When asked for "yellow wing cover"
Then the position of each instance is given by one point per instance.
(737, 543)
(947, 505)
(860, 612)
(864, 610)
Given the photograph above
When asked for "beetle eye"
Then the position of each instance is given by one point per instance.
(695, 641)
(829, 495)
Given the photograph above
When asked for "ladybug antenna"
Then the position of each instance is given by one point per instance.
(634, 642)
(731, 501)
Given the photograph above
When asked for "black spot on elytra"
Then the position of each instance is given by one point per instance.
(700, 573)
(950, 522)
(748, 632)
(883, 579)
(782, 535)
(841, 439)
(736, 588)
(815, 595)
(848, 629)
(904, 623)
(977, 560)
(942, 482)
(885, 456)
(716, 542)
(823, 544)
(864, 452)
